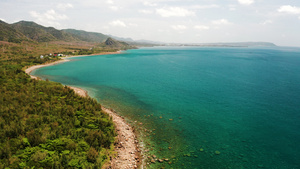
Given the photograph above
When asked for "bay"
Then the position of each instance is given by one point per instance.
(200, 107)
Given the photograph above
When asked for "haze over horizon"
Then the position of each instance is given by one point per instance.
(171, 21)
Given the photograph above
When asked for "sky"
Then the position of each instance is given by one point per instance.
(170, 21)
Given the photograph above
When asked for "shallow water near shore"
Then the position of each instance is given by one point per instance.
(201, 107)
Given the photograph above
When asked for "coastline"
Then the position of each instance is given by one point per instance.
(103, 53)
(32, 68)
(128, 154)
(28, 70)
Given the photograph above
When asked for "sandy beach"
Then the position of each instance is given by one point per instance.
(32, 68)
(126, 146)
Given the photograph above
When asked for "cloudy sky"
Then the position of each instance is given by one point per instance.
(188, 21)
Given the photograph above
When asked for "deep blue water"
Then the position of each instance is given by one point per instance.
(205, 107)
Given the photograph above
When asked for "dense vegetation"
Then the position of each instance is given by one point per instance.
(45, 124)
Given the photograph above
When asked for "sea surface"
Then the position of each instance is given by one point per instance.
(200, 107)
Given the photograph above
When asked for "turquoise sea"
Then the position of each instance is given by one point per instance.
(200, 107)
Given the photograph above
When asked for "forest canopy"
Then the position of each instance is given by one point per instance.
(44, 124)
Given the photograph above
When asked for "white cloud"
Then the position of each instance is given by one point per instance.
(133, 24)
(201, 27)
(2, 19)
(112, 5)
(266, 22)
(145, 11)
(289, 9)
(114, 8)
(110, 2)
(179, 27)
(174, 11)
(117, 23)
(64, 6)
(232, 7)
(221, 22)
(150, 4)
(205, 6)
(246, 2)
(299, 17)
(50, 17)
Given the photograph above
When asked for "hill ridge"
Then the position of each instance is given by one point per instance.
(31, 31)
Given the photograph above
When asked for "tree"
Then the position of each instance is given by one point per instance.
(92, 155)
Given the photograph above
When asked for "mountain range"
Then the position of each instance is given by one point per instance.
(31, 31)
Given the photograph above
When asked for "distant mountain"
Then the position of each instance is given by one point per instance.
(121, 39)
(40, 33)
(87, 36)
(137, 42)
(235, 44)
(8, 33)
(30, 31)
(112, 43)
(149, 41)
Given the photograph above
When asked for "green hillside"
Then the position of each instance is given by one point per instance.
(87, 36)
(40, 33)
(8, 33)
(30, 31)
